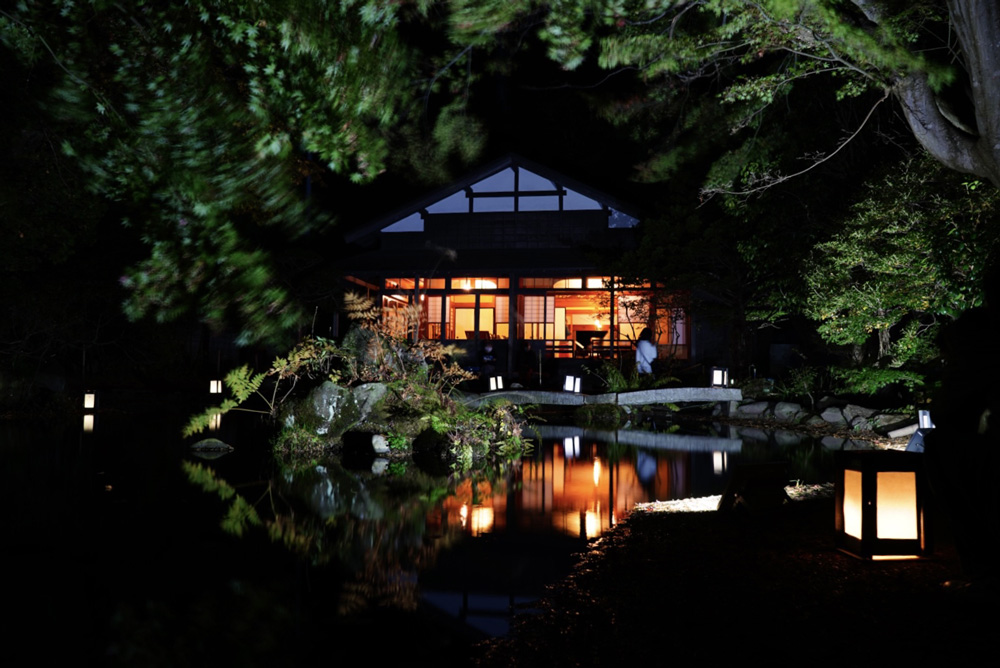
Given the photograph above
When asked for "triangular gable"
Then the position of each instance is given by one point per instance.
(510, 184)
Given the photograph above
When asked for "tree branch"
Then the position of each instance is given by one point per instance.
(780, 179)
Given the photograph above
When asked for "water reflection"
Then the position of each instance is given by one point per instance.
(104, 526)
(580, 482)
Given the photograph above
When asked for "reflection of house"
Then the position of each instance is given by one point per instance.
(510, 253)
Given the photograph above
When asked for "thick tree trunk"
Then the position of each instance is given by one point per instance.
(966, 145)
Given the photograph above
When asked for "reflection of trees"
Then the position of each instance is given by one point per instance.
(374, 532)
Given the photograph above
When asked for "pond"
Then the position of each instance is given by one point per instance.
(122, 559)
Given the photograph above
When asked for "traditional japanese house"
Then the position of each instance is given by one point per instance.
(511, 254)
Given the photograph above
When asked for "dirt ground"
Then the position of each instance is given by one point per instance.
(681, 587)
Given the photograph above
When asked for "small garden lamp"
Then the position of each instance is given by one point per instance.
(880, 498)
(215, 387)
(720, 376)
(572, 384)
(496, 383)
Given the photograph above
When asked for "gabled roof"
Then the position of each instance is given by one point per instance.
(512, 183)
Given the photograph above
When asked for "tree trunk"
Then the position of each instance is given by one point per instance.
(969, 145)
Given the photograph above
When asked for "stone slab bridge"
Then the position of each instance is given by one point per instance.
(726, 396)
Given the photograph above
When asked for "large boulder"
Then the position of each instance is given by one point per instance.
(329, 410)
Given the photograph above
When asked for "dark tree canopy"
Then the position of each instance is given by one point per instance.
(204, 121)
(721, 64)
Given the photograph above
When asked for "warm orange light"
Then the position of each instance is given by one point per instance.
(852, 503)
(880, 505)
(896, 515)
(476, 283)
(597, 471)
(482, 520)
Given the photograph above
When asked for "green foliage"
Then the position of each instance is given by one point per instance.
(911, 257)
(242, 383)
(398, 442)
(311, 358)
(710, 75)
(804, 381)
(419, 374)
(617, 380)
(202, 119)
(870, 380)
(490, 435)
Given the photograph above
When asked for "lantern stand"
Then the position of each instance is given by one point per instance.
(881, 498)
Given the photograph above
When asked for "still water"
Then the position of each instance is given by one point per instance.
(120, 558)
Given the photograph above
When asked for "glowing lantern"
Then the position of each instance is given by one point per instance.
(720, 376)
(496, 383)
(215, 387)
(90, 400)
(572, 384)
(880, 499)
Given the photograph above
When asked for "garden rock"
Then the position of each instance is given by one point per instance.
(834, 416)
(786, 411)
(211, 445)
(334, 407)
(368, 397)
(815, 421)
(755, 409)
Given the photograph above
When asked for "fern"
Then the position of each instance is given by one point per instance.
(243, 384)
(200, 423)
(360, 308)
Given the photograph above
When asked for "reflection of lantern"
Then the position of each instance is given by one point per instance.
(880, 504)
(89, 404)
(720, 376)
(482, 520)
